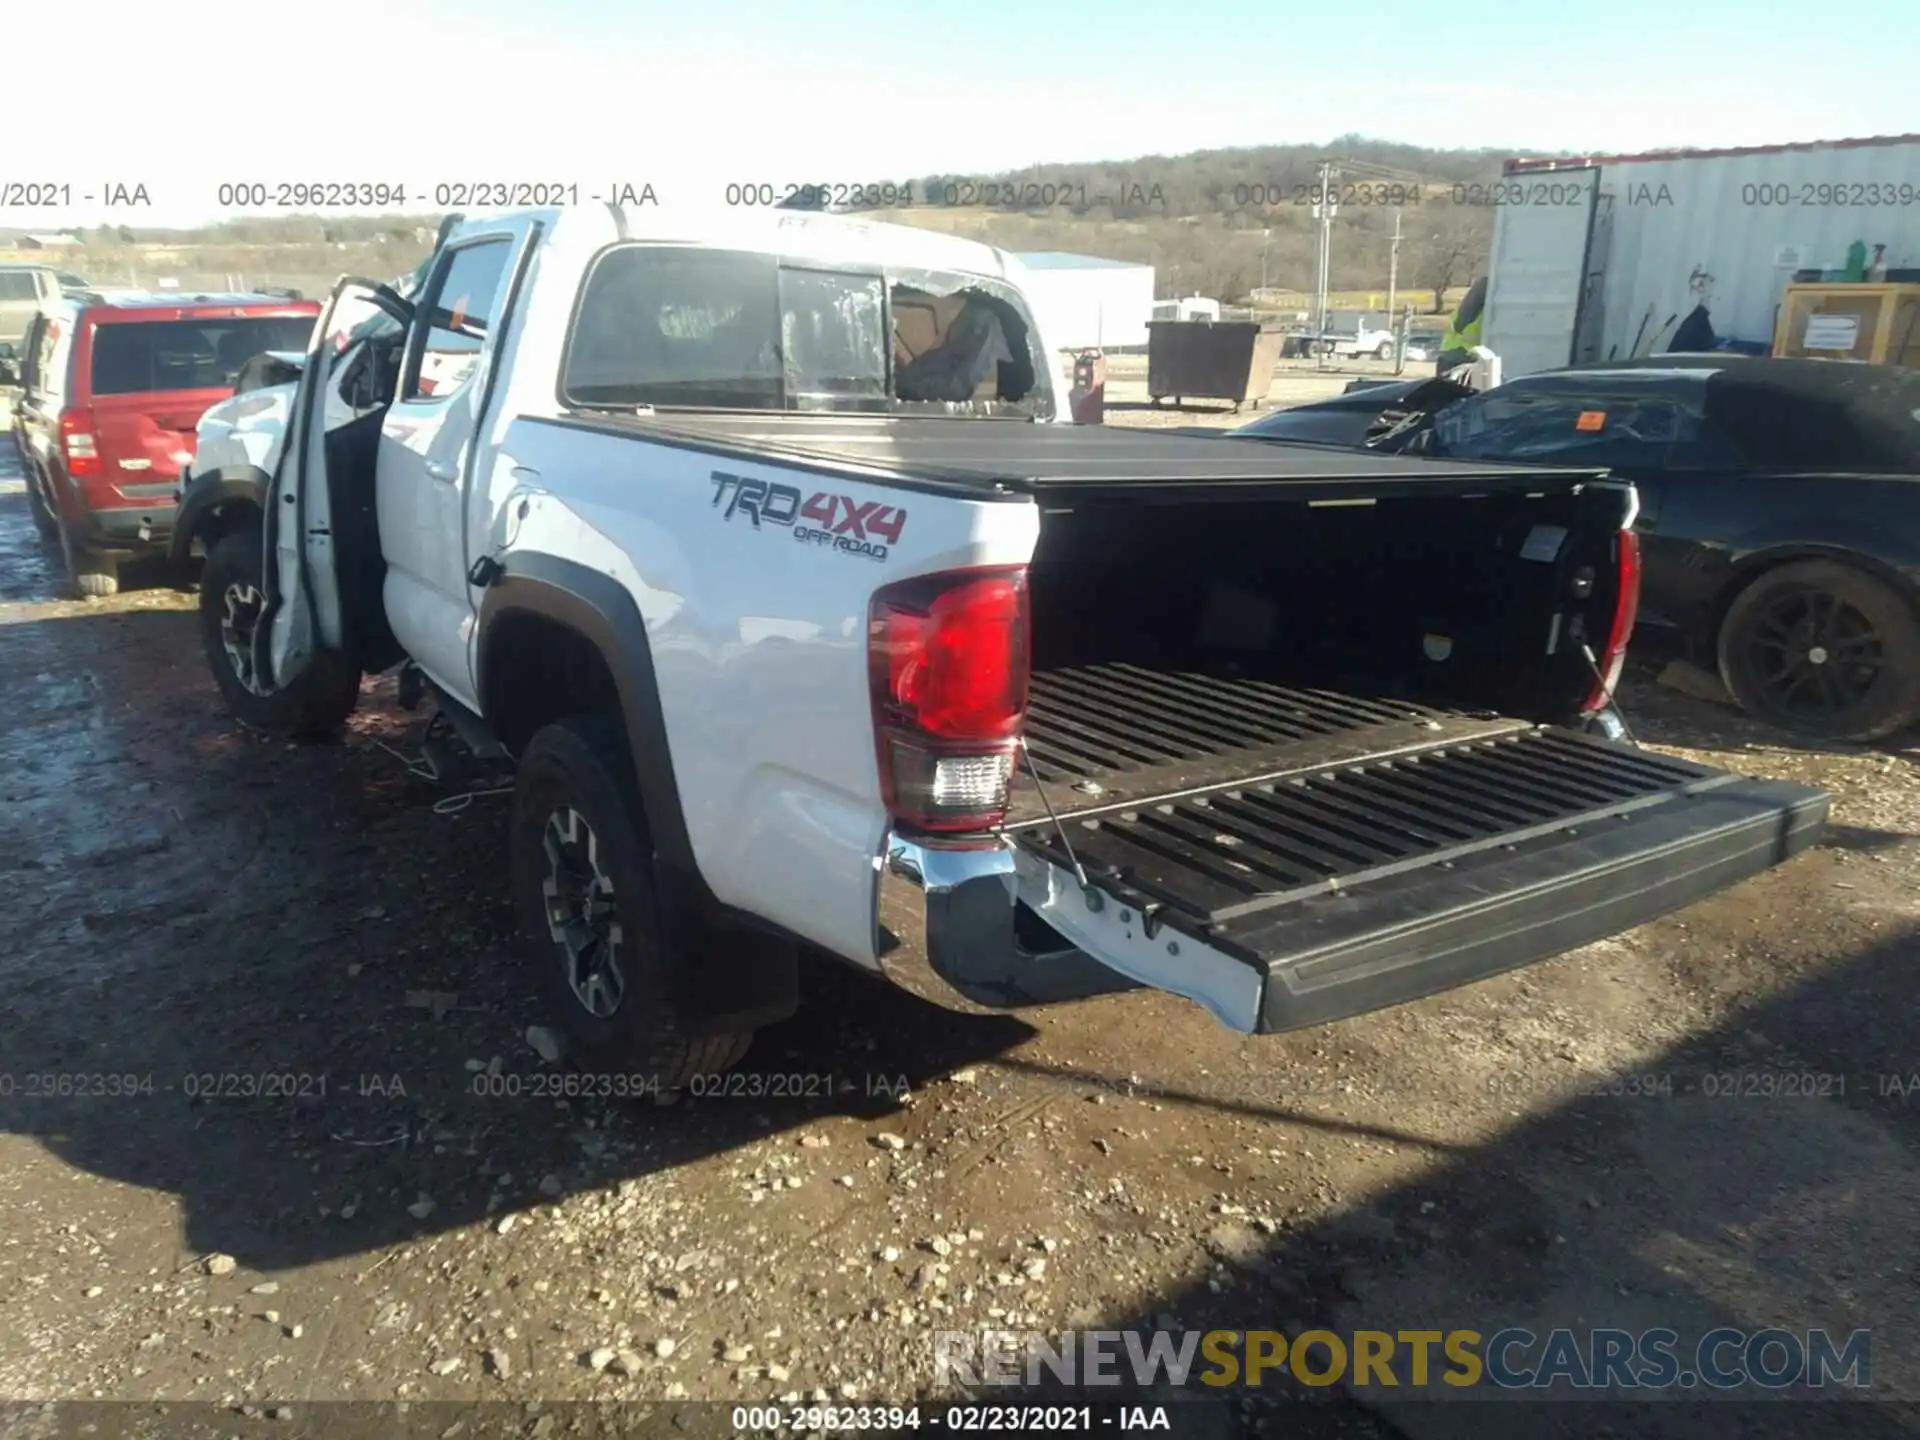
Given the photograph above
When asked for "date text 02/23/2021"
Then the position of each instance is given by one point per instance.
(957, 1419)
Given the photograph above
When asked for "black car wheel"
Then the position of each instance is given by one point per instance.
(1823, 649)
(320, 697)
(44, 520)
(583, 881)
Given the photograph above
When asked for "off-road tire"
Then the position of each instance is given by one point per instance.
(321, 696)
(579, 767)
(44, 520)
(1751, 634)
(95, 576)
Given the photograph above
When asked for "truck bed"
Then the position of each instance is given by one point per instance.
(1100, 735)
(980, 459)
(1209, 799)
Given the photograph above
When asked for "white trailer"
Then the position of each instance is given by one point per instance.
(1602, 257)
(1088, 302)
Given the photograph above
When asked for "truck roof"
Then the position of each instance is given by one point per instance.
(844, 239)
(982, 458)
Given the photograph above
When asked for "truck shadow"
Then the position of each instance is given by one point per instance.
(303, 973)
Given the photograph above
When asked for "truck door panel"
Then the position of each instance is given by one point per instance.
(424, 454)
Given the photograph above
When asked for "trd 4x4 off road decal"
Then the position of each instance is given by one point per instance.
(838, 522)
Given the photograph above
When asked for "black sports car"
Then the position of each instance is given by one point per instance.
(1779, 512)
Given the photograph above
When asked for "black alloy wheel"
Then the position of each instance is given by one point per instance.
(1824, 649)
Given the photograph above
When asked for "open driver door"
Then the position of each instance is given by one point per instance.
(320, 541)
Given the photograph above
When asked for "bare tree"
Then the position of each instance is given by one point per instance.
(1453, 249)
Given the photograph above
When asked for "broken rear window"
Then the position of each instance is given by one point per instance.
(702, 328)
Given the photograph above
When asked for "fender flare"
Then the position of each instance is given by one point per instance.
(759, 983)
(602, 610)
(205, 494)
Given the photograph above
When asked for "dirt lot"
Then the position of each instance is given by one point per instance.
(185, 903)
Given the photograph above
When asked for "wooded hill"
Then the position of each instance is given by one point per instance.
(1212, 222)
(1223, 222)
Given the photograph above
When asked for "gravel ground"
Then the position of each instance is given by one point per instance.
(416, 1220)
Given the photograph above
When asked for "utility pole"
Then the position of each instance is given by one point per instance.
(1266, 238)
(1393, 283)
(1393, 267)
(1323, 211)
(1326, 209)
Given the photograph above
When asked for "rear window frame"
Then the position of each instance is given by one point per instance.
(1042, 401)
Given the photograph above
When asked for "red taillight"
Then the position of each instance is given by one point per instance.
(947, 659)
(76, 443)
(1626, 608)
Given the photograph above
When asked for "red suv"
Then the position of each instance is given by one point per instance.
(112, 390)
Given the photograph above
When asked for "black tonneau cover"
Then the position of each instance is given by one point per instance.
(1066, 462)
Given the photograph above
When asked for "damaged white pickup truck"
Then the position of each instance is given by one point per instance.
(760, 548)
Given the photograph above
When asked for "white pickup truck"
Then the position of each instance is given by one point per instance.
(1345, 341)
(761, 549)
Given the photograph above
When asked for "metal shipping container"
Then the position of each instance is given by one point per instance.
(1602, 257)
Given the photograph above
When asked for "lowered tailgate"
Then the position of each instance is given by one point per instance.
(1344, 888)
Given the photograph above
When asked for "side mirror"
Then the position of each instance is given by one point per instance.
(9, 373)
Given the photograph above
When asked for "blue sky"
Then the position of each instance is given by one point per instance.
(692, 96)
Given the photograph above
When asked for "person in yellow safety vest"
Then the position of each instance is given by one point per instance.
(1463, 330)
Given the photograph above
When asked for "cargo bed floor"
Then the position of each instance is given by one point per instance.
(1102, 735)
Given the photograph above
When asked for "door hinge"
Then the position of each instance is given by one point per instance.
(485, 571)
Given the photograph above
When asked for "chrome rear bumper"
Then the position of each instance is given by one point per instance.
(945, 931)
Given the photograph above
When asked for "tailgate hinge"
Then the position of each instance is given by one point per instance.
(1150, 918)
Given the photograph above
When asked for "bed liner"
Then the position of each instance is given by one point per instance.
(1106, 734)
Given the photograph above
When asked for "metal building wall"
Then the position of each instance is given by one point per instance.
(1749, 221)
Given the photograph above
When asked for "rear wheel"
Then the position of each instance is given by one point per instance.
(95, 576)
(583, 882)
(318, 700)
(44, 520)
(1824, 649)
